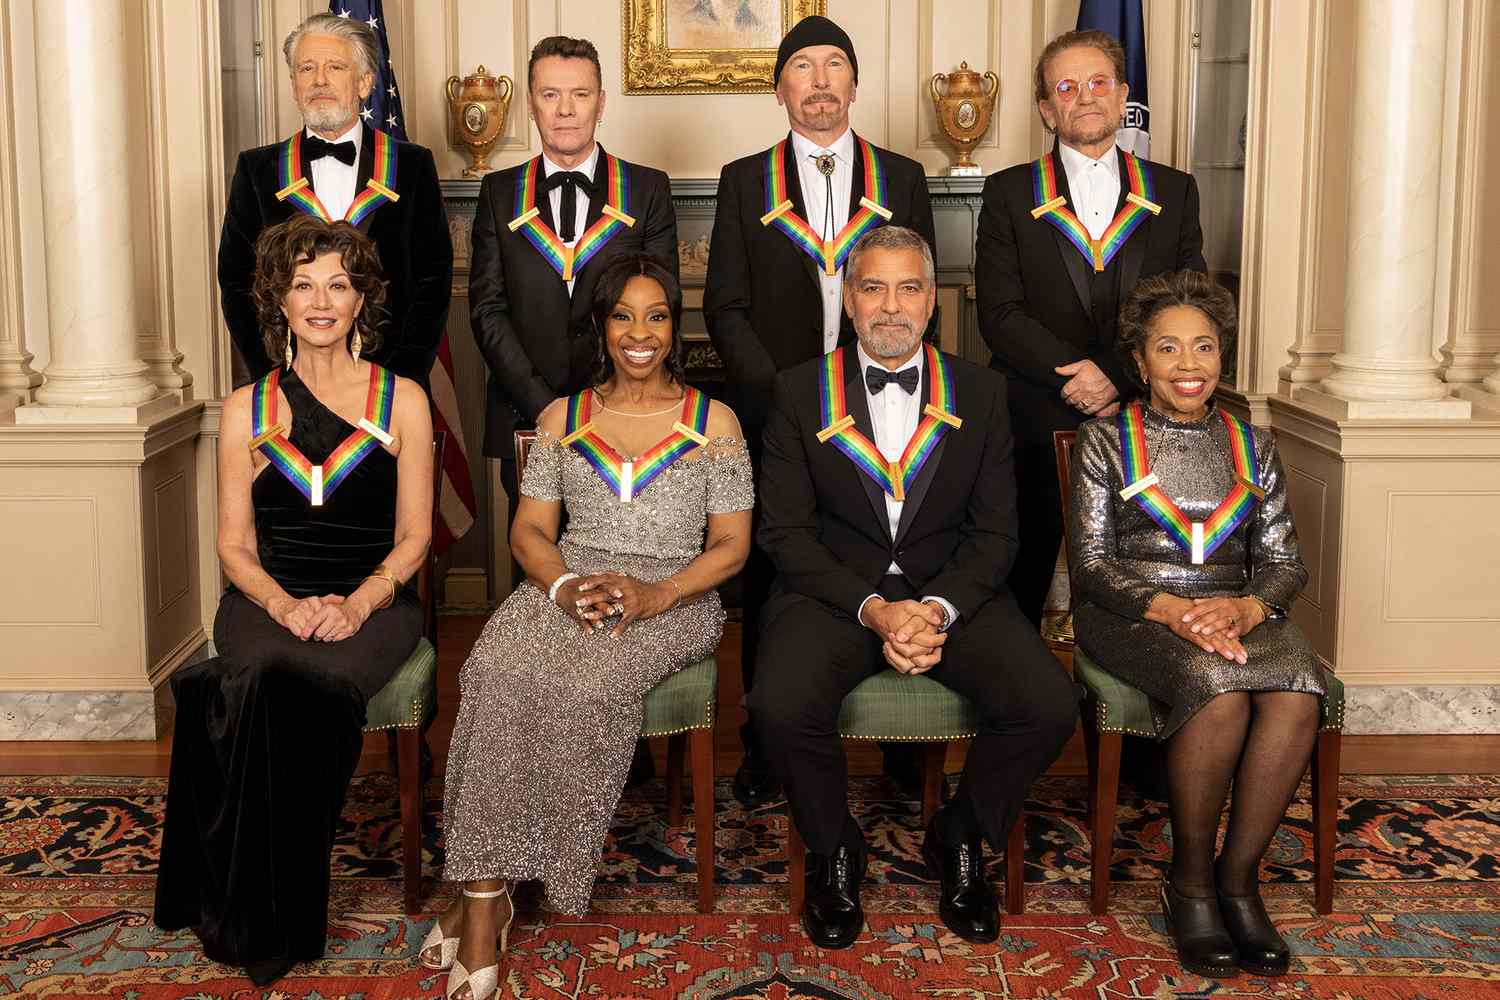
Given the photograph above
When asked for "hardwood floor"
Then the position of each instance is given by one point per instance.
(457, 634)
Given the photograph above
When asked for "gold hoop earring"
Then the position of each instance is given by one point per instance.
(356, 345)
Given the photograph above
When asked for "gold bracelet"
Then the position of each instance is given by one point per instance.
(678, 587)
(381, 573)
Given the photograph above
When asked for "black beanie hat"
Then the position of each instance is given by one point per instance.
(814, 30)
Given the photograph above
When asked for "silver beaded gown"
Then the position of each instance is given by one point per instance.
(1119, 559)
(548, 717)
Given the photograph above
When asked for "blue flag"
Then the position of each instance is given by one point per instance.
(382, 109)
(1122, 18)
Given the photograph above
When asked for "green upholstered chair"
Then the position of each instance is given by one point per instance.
(1113, 708)
(911, 709)
(680, 709)
(406, 706)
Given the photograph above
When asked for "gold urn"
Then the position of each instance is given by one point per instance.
(964, 112)
(477, 106)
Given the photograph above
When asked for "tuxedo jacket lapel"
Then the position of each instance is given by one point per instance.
(919, 486)
(799, 205)
(596, 200)
(1073, 262)
(859, 409)
(856, 181)
(1133, 253)
(364, 170)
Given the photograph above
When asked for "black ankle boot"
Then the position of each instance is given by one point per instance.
(1261, 948)
(1203, 944)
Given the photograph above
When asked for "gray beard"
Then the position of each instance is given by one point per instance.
(331, 120)
(879, 343)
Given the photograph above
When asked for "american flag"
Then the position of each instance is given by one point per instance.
(457, 505)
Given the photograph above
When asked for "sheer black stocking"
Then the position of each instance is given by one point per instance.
(1282, 732)
(1201, 758)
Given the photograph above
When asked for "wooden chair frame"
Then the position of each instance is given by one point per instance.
(1103, 751)
(405, 746)
(699, 739)
(934, 753)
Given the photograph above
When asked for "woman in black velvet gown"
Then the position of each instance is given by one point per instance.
(320, 525)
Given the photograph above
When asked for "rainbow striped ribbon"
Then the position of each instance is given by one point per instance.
(566, 260)
(1198, 538)
(895, 478)
(830, 253)
(1054, 208)
(628, 478)
(379, 189)
(317, 482)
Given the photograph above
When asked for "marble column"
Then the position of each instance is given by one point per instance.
(82, 82)
(1386, 367)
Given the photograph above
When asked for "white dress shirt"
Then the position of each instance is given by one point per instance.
(332, 179)
(894, 414)
(815, 199)
(555, 198)
(1095, 187)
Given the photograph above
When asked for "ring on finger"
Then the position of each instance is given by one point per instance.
(617, 608)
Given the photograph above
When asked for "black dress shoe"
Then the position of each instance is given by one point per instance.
(1203, 945)
(754, 784)
(1262, 950)
(965, 902)
(831, 913)
(265, 971)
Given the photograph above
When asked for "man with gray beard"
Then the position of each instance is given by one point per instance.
(339, 167)
(888, 508)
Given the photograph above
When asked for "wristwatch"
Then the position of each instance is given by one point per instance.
(942, 610)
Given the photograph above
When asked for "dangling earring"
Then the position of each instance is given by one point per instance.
(356, 345)
(289, 348)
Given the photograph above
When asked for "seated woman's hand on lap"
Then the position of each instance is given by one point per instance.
(1175, 613)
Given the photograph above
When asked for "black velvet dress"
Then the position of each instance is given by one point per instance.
(268, 732)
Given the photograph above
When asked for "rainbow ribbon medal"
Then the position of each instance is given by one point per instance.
(1198, 538)
(379, 189)
(831, 254)
(628, 478)
(565, 260)
(317, 482)
(1054, 208)
(895, 478)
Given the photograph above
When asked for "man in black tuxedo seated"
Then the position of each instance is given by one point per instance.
(888, 561)
(338, 167)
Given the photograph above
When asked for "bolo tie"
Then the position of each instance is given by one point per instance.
(825, 163)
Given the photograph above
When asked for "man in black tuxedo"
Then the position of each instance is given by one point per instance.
(1050, 289)
(871, 576)
(331, 173)
(544, 230)
(774, 299)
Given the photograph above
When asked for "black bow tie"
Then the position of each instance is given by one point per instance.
(878, 378)
(317, 148)
(570, 181)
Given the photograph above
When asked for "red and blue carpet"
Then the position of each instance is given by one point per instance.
(1418, 896)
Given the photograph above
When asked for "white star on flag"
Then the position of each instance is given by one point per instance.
(343, 13)
(365, 114)
(391, 90)
(373, 22)
(391, 121)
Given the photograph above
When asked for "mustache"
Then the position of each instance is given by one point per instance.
(819, 99)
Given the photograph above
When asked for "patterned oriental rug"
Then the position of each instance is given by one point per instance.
(1418, 897)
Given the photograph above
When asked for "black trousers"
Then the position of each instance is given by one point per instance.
(812, 655)
(1039, 511)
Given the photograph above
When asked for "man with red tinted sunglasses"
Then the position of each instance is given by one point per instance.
(1061, 242)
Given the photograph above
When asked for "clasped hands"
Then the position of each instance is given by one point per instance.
(329, 618)
(1088, 390)
(910, 640)
(1214, 624)
(594, 599)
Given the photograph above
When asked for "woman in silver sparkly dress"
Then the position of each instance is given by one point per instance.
(1184, 561)
(550, 705)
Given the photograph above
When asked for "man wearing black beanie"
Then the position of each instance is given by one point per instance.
(786, 220)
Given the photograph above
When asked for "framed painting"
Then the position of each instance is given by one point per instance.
(706, 46)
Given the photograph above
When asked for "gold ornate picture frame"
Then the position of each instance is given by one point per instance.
(706, 46)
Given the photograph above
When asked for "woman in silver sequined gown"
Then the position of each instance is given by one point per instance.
(550, 706)
(1234, 685)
